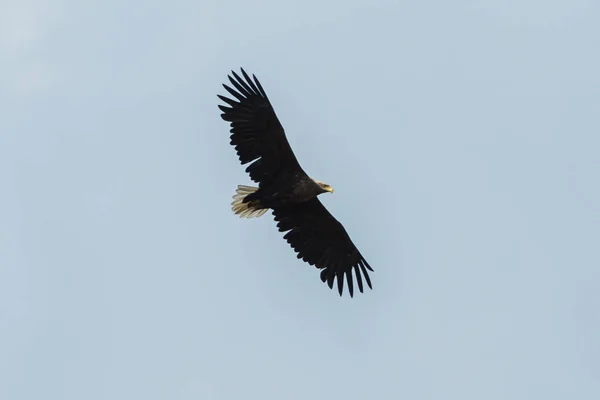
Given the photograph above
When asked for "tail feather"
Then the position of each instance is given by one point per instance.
(250, 209)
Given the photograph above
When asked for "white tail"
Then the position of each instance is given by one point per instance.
(252, 209)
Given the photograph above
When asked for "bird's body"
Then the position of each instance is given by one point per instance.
(285, 188)
(287, 191)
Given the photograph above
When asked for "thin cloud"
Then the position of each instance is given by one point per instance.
(23, 28)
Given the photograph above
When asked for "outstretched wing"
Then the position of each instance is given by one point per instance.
(320, 240)
(257, 134)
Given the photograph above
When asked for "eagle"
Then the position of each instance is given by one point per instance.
(285, 189)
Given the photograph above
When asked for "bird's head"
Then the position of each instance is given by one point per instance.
(324, 187)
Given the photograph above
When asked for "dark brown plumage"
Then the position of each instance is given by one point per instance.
(284, 187)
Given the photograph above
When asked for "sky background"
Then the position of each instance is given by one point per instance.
(463, 142)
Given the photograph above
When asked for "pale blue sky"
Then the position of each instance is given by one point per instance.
(463, 141)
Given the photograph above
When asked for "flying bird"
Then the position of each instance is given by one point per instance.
(283, 187)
